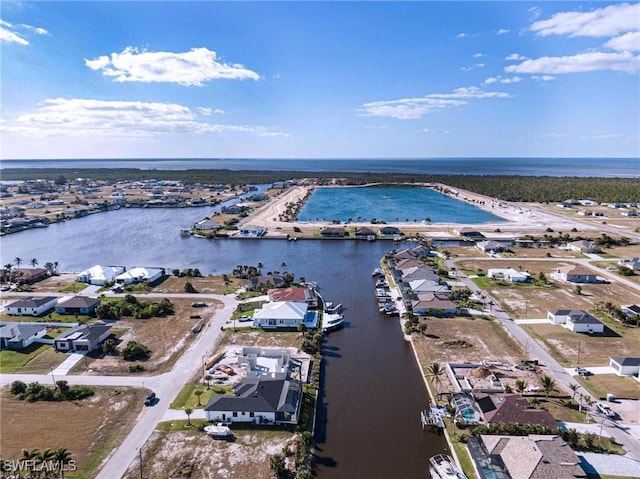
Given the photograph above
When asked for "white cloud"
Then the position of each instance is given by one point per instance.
(534, 13)
(204, 111)
(191, 68)
(629, 42)
(503, 31)
(601, 22)
(478, 55)
(516, 56)
(9, 35)
(414, 108)
(581, 62)
(117, 119)
(501, 79)
(462, 35)
(543, 77)
(38, 30)
(424, 130)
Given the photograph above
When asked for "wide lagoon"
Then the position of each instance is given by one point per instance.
(391, 205)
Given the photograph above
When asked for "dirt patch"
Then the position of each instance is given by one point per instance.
(88, 429)
(197, 456)
(204, 284)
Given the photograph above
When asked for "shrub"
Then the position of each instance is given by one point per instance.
(136, 368)
(134, 351)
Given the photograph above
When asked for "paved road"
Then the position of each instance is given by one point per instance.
(166, 386)
(534, 350)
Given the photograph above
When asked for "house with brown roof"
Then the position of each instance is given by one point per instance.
(24, 275)
(333, 232)
(434, 304)
(293, 294)
(575, 274)
(364, 232)
(526, 457)
(512, 409)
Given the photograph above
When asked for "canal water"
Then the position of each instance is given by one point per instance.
(368, 423)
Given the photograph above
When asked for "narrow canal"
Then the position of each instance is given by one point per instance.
(372, 392)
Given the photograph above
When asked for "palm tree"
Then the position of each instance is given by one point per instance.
(548, 384)
(574, 387)
(435, 371)
(520, 386)
(260, 266)
(29, 457)
(188, 412)
(17, 261)
(62, 458)
(55, 266)
(34, 262)
(198, 393)
(45, 457)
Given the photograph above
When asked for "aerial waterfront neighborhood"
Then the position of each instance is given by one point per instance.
(485, 308)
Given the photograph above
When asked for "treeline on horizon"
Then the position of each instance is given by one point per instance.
(509, 188)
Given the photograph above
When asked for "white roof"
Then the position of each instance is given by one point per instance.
(107, 273)
(282, 310)
(139, 272)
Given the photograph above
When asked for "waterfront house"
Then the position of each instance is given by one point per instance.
(284, 314)
(207, 225)
(631, 263)
(252, 231)
(140, 275)
(24, 275)
(258, 401)
(467, 232)
(420, 273)
(389, 231)
(270, 363)
(31, 306)
(20, 335)
(625, 366)
(434, 305)
(576, 320)
(334, 232)
(584, 246)
(422, 286)
(293, 294)
(512, 409)
(99, 275)
(77, 305)
(509, 274)
(365, 233)
(525, 457)
(575, 274)
(491, 246)
(268, 281)
(234, 209)
(84, 338)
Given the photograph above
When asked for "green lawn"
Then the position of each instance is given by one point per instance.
(188, 399)
(37, 358)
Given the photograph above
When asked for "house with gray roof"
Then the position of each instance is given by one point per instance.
(20, 335)
(31, 306)
(84, 338)
(258, 401)
(625, 366)
(577, 321)
(77, 305)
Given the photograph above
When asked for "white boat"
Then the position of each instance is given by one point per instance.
(218, 430)
(185, 232)
(377, 272)
(331, 308)
(332, 321)
(444, 467)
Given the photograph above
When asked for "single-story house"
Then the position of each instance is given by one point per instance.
(491, 246)
(234, 209)
(434, 304)
(333, 232)
(576, 274)
(20, 335)
(284, 314)
(467, 232)
(407, 263)
(509, 274)
(83, 338)
(389, 231)
(584, 246)
(419, 273)
(99, 275)
(31, 306)
(258, 401)
(207, 225)
(24, 275)
(525, 457)
(512, 408)
(77, 305)
(252, 231)
(631, 263)
(269, 281)
(576, 320)
(631, 310)
(140, 275)
(426, 286)
(625, 366)
(364, 232)
(293, 294)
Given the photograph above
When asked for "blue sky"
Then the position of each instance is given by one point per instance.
(319, 79)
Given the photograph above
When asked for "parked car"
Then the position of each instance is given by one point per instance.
(604, 409)
(583, 372)
(150, 399)
(6, 287)
(244, 319)
(198, 304)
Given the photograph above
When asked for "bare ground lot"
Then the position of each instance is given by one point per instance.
(88, 429)
(622, 387)
(195, 455)
(532, 301)
(204, 284)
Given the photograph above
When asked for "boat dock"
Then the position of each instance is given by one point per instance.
(433, 418)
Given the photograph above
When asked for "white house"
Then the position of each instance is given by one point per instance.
(20, 335)
(625, 366)
(576, 274)
(632, 263)
(509, 274)
(99, 275)
(207, 225)
(284, 314)
(491, 246)
(258, 401)
(252, 231)
(31, 306)
(140, 275)
(576, 320)
(584, 246)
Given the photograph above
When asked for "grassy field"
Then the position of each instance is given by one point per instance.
(601, 384)
(187, 397)
(88, 429)
(205, 285)
(35, 359)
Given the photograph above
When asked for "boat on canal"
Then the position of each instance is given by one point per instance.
(331, 322)
(444, 467)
